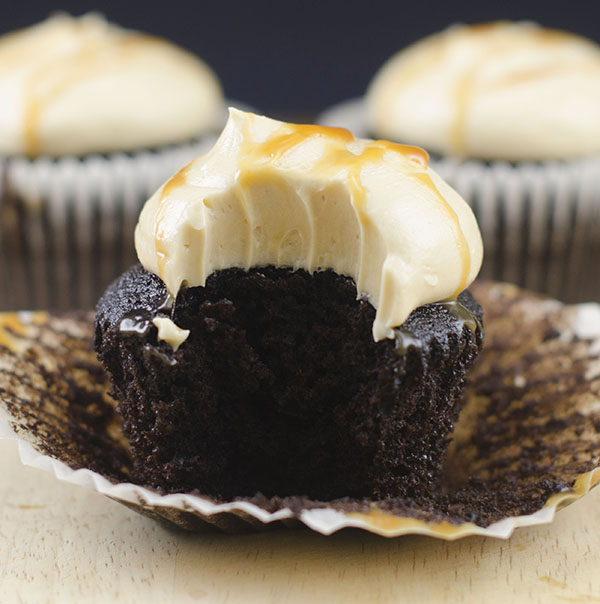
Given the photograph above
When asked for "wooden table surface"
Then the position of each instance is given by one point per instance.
(62, 543)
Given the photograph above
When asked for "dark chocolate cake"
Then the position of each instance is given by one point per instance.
(280, 388)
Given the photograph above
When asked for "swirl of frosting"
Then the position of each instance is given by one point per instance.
(81, 85)
(311, 197)
(512, 91)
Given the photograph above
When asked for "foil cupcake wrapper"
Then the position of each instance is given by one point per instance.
(527, 442)
(540, 222)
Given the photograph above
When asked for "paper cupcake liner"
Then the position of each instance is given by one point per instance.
(66, 225)
(527, 442)
(540, 222)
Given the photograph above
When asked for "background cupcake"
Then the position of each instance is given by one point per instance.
(94, 118)
(511, 113)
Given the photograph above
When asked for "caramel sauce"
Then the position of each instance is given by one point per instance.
(591, 67)
(466, 86)
(58, 75)
(135, 323)
(174, 183)
(179, 179)
(404, 339)
(390, 523)
(257, 157)
(336, 154)
(12, 327)
(461, 240)
(279, 144)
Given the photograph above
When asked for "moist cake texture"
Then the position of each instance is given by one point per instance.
(280, 388)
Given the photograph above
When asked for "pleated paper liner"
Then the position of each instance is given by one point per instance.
(66, 224)
(527, 442)
(540, 222)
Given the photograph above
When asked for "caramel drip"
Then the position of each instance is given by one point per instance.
(177, 180)
(255, 158)
(463, 96)
(174, 183)
(461, 240)
(498, 46)
(159, 240)
(591, 67)
(13, 328)
(280, 143)
(55, 77)
(336, 156)
(387, 522)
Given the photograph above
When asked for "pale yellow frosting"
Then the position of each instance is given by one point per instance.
(170, 333)
(81, 85)
(310, 197)
(513, 91)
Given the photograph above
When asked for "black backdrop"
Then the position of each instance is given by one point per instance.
(295, 58)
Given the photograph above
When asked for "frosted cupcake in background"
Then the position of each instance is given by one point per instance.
(93, 118)
(511, 112)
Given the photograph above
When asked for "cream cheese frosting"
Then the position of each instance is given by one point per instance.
(513, 91)
(170, 333)
(312, 197)
(81, 85)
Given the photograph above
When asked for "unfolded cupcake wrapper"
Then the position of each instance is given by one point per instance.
(540, 222)
(527, 442)
(66, 225)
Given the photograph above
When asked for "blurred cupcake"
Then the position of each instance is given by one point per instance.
(511, 112)
(94, 117)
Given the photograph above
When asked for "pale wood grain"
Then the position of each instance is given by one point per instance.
(61, 543)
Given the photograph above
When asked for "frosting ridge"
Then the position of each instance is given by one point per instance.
(312, 197)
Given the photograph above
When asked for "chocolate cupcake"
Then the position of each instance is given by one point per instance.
(94, 118)
(511, 111)
(299, 324)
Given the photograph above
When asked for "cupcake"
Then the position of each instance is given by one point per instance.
(94, 117)
(512, 113)
(298, 323)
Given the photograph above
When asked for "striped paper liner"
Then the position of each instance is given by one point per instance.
(540, 222)
(66, 225)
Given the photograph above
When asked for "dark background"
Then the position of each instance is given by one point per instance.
(296, 58)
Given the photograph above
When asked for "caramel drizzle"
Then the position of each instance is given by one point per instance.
(337, 154)
(461, 240)
(160, 234)
(467, 84)
(59, 74)
(427, 55)
(14, 329)
(336, 157)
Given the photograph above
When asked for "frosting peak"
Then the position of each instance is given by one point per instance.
(316, 198)
(82, 85)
